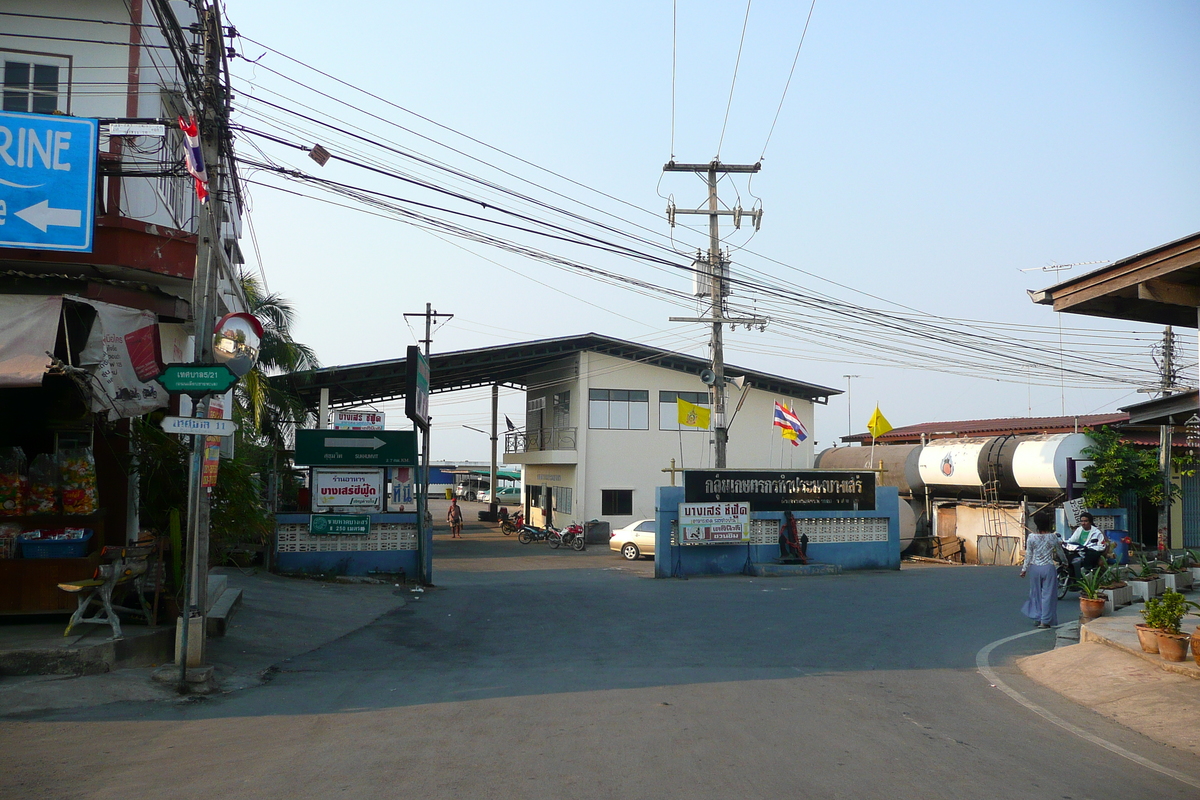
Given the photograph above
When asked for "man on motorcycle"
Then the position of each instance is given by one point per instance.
(1091, 540)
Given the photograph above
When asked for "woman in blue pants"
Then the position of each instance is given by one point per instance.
(1041, 548)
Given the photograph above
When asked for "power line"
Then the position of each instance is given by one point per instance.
(737, 62)
(788, 83)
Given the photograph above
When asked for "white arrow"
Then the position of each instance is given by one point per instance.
(372, 443)
(42, 216)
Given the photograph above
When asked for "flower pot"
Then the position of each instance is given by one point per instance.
(1195, 571)
(1145, 588)
(1147, 637)
(1091, 609)
(1173, 646)
(1178, 581)
(1196, 645)
(1119, 595)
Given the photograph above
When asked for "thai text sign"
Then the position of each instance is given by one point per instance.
(357, 489)
(783, 490)
(714, 523)
(348, 524)
(358, 420)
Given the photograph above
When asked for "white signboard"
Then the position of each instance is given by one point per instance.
(359, 490)
(357, 420)
(714, 523)
(1073, 510)
(204, 427)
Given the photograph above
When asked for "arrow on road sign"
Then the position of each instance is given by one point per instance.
(42, 216)
(372, 443)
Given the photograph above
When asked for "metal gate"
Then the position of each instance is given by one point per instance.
(1191, 510)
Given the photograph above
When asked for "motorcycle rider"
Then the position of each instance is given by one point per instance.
(1091, 540)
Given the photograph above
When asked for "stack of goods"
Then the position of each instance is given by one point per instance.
(77, 471)
(42, 494)
(8, 537)
(12, 482)
(55, 543)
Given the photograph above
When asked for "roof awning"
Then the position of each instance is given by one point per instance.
(28, 330)
(1175, 409)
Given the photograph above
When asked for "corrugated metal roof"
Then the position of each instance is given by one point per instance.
(911, 434)
(511, 365)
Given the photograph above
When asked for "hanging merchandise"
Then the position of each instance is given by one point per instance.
(77, 468)
(119, 355)
(42, 495)
(12, 482)
(8, 539)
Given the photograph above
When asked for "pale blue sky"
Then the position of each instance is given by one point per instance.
(926, 152)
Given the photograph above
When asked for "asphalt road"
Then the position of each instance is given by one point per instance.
(530, 673)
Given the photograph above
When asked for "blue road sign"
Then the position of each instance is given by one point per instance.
(47, 181)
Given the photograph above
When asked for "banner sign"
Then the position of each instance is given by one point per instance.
(714, 523)
(416, 387)
(357, 420)
(783, 490)
(347, 524)
(359, 490)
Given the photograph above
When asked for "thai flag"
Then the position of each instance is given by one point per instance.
(792, 427)
(194, 156)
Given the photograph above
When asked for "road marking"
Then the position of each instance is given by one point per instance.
(981, 662)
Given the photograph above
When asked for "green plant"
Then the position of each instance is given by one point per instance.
(1091, 584)
(1112, 575)
(1167, 612)
(1154, 614)
(1119, 467)
(1147, 569)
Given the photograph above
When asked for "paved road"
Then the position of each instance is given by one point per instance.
(536, 674)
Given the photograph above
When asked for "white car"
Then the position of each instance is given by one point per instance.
(505, 495)
(635, 539)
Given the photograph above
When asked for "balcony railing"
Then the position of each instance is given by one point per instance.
(544, 439)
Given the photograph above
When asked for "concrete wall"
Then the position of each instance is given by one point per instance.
(681, 561)
(298, 551)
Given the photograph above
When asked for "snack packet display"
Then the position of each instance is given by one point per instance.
(8, 538)
(12, 482)
(77, 472)
(42, 494)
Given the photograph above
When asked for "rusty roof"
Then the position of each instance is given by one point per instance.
(911, 434)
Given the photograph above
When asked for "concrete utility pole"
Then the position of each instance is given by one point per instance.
(423, 482)
(1167, 383)
(715, 269)
(211, 116)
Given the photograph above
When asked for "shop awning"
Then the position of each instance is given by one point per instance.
(28, 329)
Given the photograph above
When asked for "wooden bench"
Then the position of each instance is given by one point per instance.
(128, 565)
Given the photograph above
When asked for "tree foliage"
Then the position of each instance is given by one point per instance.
(1119, 467)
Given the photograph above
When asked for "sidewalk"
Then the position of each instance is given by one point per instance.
(1108, 673)
(280, 618)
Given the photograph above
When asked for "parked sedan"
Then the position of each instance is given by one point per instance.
(505, 495)
(635, 539)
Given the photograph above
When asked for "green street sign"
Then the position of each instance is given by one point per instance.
(348, 524)
(197, 379)
(328, 447)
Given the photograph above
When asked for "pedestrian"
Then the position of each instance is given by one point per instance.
(454, 517)
(1041, 549)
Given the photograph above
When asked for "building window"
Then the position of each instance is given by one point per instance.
(562, 498)
(562, 409)
(30, 87)
(668, 409)
(619, 409)
(616, 502)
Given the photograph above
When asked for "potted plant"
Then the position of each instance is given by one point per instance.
(1118, 591)
(1091, 597)
(1193, 561)
(1146, 582)
(1177, 575)
(1172, 645)
(1147, 632)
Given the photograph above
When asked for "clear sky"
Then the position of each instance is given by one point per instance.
(925, 154)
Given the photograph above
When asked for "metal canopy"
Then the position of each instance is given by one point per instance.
(1160, 286)
(509, 365)
(1174, 409)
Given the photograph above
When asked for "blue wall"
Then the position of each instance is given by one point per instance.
(731, 559)
(349, 562)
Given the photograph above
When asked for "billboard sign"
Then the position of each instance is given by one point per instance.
(783, 490)
(714, 523)
(357, 420)
(416, 387)
(357, 490)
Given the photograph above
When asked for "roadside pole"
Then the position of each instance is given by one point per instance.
(416, 407)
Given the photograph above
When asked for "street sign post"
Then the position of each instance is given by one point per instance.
(346, 524)
(47, 181)
(199, 426)
(416, 387)
(197, 379)
(328, 447)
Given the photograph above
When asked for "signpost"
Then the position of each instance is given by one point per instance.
(357, 420)
(783, 490)
(47, 181)
(347, 490)
(714, 523)
(197, 380)
(195, 425)
(347, 524)
(327, 447)
(416, 387)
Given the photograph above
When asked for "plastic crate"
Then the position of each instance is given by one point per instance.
(54, 548)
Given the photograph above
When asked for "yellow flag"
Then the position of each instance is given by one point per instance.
(878, 424)
(692, 415)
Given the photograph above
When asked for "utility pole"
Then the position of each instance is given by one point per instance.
(715, 268)
(423, 481)
(211, 118)
(1165, 434)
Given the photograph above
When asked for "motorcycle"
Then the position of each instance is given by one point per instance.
(510, 525)
(570, 536)
(529, 534)
(1068, 573)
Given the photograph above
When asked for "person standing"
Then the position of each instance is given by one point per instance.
(455, 518)
(1041, 549)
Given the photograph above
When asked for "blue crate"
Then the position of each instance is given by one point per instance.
(54, 548)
